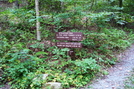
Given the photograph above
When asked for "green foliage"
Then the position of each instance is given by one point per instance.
(19, 19)
(11, 1)
(111, 39)
(4, 46)
(40, 53)
(99, 19)
(60, 53)
(128, 7)
(46, 34)
(37, 45)
(86, 66)
(23, 67)
(129, 83)
(121, 18)
(52, 5)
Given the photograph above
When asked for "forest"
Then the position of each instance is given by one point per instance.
(28, 44)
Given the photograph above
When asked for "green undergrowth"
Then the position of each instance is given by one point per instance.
(23, 58)
(21, 63)
(129, 83)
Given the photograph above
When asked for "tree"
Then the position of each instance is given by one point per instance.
(120, 3)
(37, 19)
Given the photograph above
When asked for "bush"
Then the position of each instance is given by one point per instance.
(108, 39)
(20, 68)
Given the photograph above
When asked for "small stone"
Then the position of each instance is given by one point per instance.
(75, 88)
(44, 76)
(113, 88)
(120, 68)
(128, 71)
(52, 85)
(106, 86)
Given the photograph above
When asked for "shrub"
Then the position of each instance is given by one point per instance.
(108, 39)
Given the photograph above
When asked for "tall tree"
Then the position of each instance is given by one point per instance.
(17, 4)
(120, 3)
(37, 19)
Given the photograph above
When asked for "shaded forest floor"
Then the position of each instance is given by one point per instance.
(118, 73)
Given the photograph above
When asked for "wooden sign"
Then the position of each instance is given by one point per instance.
(69, 36)
(69, 44)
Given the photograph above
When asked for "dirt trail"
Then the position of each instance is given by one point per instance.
(117, 73)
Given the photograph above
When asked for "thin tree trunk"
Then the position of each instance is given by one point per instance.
(17, 3)
(74, 19)
(37, 19)
(92, 4)
(62, 6)
(120, 3)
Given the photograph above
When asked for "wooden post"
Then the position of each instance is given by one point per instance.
(37, 19)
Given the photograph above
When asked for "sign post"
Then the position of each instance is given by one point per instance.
(69, 36)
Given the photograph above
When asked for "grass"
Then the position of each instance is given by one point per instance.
(129, 83)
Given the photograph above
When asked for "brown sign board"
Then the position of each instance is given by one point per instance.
(69, 44)
(69, 36)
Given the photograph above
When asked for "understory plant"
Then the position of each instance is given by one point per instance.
(129, 83)
(24, 60)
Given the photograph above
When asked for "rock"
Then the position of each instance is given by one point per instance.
(120, 68)
(39, 78)
(52, 85)
(44, 76)
(75, 88)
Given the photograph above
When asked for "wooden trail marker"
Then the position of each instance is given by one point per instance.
(69, 44)
(69, 36)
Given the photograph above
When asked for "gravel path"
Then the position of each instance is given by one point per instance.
(118, 73)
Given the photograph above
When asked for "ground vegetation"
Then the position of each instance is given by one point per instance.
(107, 26)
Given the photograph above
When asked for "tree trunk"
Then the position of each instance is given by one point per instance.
(120, 3)
(37, 19)
(92, 4)
(17, 3)
(62, 6)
